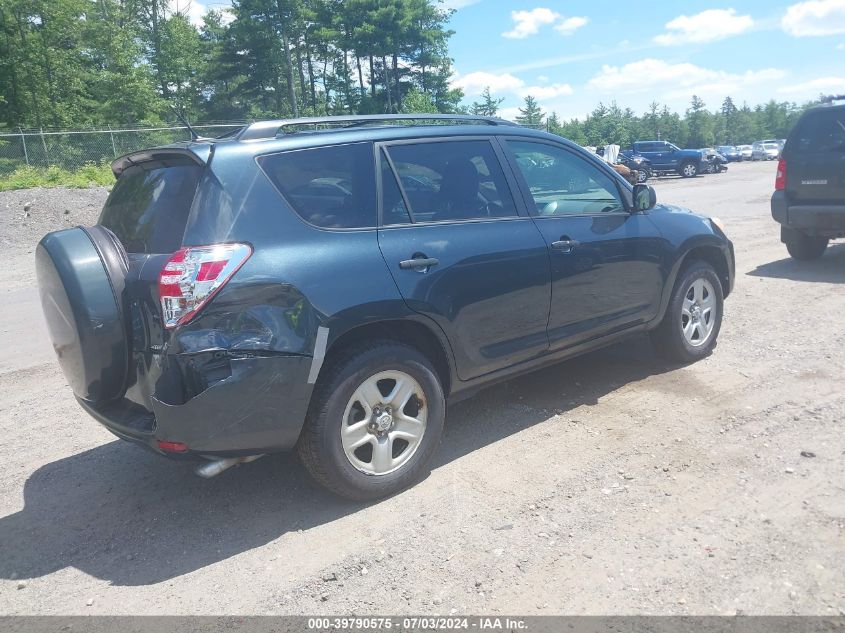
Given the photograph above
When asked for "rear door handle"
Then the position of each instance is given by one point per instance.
(565, 245)
(418, 263)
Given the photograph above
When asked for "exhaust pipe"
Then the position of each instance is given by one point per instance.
(217, 466)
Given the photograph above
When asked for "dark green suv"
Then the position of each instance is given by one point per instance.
(329, 284)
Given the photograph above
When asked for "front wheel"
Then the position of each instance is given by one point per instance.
(689, 170)
(806, 247)
(375, 421)
(642, 176)
(693, 317)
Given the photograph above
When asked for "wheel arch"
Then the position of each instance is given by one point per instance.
(409, 331)
(711, 253)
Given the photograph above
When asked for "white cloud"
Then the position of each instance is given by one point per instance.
(840, 47)
(707, 26)
(529, 22)
(546, 92)
(568, 26)
(649, 75)
(474, 83)
(815, 87)
(817, 17)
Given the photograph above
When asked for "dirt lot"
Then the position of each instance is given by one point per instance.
(609, 484)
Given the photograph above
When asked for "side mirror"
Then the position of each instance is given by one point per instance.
(645, 197)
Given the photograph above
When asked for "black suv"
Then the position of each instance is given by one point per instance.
(809, 197)
(328, 284)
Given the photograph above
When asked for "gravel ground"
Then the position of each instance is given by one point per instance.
(610, 484)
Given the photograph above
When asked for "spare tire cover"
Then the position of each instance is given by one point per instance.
(81, 277)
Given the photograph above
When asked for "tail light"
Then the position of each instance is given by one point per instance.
(193, 275)
(780, 178)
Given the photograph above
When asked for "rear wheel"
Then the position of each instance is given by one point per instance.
(642, 176)
(689, 170)
(806, 247)
(375, 421)
(693, 317)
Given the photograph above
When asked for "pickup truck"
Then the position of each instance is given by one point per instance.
(668, 158)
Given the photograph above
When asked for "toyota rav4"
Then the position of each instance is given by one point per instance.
(327, 285)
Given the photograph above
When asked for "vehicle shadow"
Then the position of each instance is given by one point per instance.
(830, 268)
(132, 518)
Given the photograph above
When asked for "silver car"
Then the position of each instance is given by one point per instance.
(744, 151)
(765, 150)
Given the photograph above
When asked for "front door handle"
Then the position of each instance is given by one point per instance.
(565, 245)
(418, 263)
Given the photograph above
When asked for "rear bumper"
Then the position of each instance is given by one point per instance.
(820, 219)
(259, 408)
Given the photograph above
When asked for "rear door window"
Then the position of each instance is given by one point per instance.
(329, 187)
(149, 205)
(821, 131)
(452, 180)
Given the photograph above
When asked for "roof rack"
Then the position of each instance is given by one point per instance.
(832, 98)
(271, 129)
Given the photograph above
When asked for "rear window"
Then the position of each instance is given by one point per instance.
(821, 131)
(330, 187)
(149, 205)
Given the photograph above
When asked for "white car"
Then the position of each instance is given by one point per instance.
(745, 151)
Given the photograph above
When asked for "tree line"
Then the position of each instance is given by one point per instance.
(696, 128)
(76, 63)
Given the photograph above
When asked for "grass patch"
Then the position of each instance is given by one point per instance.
(86, 176)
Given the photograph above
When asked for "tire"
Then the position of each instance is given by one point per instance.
(669, 338)
(81, 277)
(339, 403)
(805, 247)
(688, 170)
(642, 176)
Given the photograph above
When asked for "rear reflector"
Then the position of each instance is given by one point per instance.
(172, 447)
(780, 178)
(193, 275)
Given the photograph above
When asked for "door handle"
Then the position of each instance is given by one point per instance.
(565, 245)
(418, 263)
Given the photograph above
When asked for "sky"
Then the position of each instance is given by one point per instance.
(572, 55)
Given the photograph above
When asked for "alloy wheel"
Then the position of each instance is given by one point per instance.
(698, 312)
(384, 422)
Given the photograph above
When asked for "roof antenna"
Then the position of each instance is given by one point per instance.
(184, 121)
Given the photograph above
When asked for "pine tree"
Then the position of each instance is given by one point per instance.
(531, 114)
(488, 106)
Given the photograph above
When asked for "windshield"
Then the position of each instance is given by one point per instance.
(149, 205)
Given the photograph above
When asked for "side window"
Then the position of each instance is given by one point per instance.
(561, 183)
(330, 187)
(393, 206)
(452, 180)
(646, 147)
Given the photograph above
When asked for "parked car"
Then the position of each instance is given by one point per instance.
(745, 151)
(638, 164)
(730, 152)
(668, 158)
(328, 291)
(716, 163)
(809, 197)
(765, 150)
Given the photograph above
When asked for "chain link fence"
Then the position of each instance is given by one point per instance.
(71, 149)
